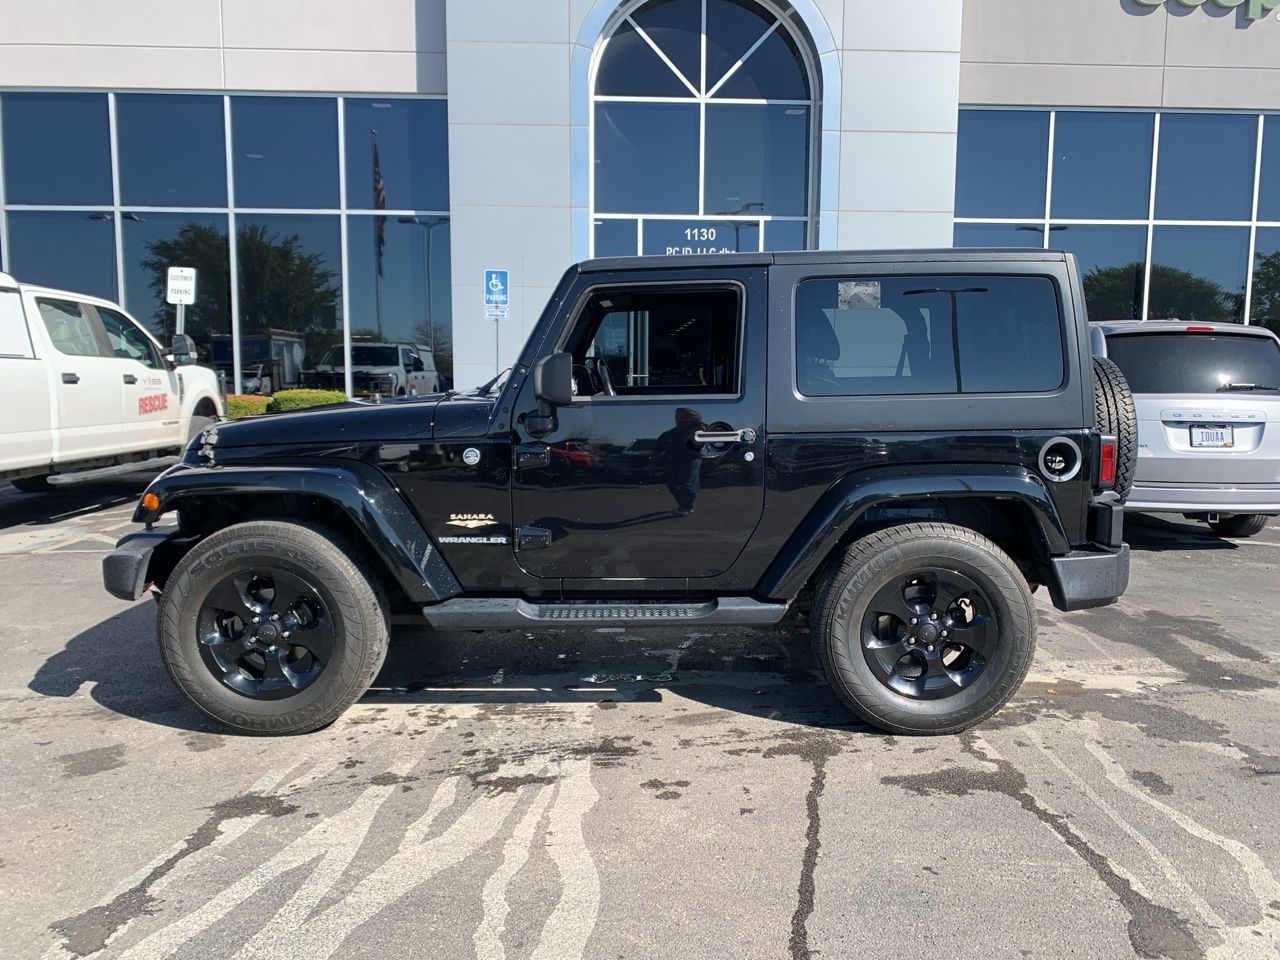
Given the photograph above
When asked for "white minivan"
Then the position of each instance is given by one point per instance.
(83, 385)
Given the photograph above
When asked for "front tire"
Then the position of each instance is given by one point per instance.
(924, 628)
(272, 627)
(1240, 526)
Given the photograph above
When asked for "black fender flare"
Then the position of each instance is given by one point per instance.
(842, 505)
(360, 491)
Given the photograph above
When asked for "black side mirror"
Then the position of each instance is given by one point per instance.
(553, 387)
(182, 349)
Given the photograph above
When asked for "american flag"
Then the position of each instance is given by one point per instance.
(379, 203)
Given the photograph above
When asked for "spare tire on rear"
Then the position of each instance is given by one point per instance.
(1114, 415)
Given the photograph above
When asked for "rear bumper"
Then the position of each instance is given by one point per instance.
(1089, 578)
(1204, 498)
(127, 570)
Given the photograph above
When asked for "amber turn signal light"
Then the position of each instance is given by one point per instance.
(150, 502)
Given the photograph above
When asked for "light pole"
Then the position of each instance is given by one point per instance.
(955, 317)
(429, 224)
(754, 205)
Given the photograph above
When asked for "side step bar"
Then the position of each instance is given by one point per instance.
(473, 613)
(115, 470)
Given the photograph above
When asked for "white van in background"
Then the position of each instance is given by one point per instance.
(84, 386)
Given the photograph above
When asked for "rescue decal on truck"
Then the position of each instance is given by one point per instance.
(153, 403)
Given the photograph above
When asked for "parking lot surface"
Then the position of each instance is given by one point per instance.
(604, 794)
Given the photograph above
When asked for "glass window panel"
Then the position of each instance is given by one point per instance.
(1266, 279)
(413, 153)
(1205, 168)
(1112, 266)
(56, 148)
(732, 27)
(998, 235)
(616, 238)
(126, 341)
(415, 285)
(677, 238)
(290, 275)
(776, 137)
(1102, 165)
(69, 328)
(775, 71)
(15, 341)
(1187, 362)
(1001, 157)
(154, 242)
(676, 27)
(647, 158)
(629, 67)
(1198, 273)
(172, 150)
(785, 235)
(71, 250)
(286, 151)
(904, 335)
(1269, 195)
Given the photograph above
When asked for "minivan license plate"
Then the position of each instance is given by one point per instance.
(1217, 436)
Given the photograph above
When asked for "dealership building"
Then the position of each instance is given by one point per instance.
(424, 170)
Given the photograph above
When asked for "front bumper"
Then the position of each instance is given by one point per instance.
(1204, 498)
(127, 570)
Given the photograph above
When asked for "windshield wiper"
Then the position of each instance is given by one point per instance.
(1244, 387)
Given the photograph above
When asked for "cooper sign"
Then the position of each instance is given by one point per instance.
(1254, 9)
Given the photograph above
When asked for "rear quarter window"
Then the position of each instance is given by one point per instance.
(1195, 362)
(932, 334)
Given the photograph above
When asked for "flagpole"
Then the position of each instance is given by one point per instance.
(377, 232)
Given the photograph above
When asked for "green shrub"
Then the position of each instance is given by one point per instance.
(298, 399)
(246, 405)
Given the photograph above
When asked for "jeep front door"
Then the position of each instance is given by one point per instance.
(656, 469)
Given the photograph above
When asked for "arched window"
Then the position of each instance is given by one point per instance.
(702, 131)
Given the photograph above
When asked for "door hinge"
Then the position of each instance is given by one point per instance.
(532, 455)
(532, 538)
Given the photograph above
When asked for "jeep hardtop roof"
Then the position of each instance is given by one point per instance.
(941, 255)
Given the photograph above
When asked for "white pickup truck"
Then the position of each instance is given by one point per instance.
(83, 386)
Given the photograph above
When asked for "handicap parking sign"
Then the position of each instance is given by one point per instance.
(496, 288)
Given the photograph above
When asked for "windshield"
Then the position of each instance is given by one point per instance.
(364, 356)
(1194, 362)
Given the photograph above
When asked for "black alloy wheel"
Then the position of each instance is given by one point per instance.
(266, 633)
(930, 634)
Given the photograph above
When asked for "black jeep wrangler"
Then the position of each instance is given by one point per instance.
(897, 447)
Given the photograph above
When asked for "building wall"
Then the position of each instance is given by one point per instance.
(391, 46)
(1118, 53)
(518, 143)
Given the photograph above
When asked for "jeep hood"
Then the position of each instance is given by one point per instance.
(398, 420)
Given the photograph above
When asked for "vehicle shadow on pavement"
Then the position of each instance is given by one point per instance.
(1155, 534)
(65, 503)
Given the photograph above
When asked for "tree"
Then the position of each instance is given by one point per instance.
(205, 248)
(1115, 293)
(1266, 291)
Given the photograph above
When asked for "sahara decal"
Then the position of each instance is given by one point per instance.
(471, 520)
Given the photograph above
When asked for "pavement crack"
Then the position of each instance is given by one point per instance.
(89, 932)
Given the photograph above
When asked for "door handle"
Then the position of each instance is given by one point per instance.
(71, 378)
(532, 455)
(130, 378)
(745, 435)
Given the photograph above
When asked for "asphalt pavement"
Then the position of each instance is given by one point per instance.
(610, 794)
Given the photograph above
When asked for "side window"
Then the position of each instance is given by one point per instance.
(14, 339)
(127, 341)
(656, 342)
(69, 327)
(890, 335)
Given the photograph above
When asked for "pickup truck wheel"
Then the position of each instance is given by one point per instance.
(38, 484)
(272, 627)
(197, 425)
(924, 628)
(1240, 526)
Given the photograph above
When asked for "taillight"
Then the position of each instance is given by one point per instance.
(1107, 464)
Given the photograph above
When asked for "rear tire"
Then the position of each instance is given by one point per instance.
(1240, 526)
(314, 588)
(38, 484)
(851, 635)
(1114, 415)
